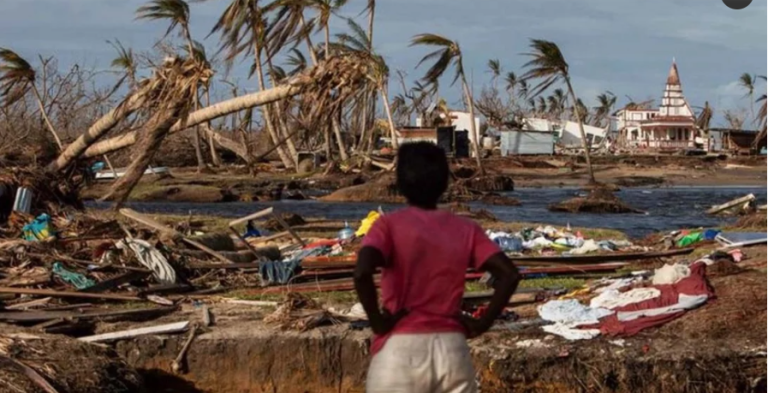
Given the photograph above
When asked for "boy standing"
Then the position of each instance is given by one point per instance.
(419, 342)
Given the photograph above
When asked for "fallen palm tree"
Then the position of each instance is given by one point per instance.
(343, 75)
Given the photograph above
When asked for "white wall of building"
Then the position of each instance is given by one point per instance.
(567, 131)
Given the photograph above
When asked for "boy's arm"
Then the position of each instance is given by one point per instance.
(368, 260)
(506, 278)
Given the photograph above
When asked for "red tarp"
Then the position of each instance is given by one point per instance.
(694, 285)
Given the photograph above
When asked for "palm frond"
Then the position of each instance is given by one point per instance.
(125, 59)
(511, 80)
(431, 40)
(175, 11)
(747, 81)
(547, 63)
(16, 75)
(494, 65)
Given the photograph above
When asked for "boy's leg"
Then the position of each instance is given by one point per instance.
(453, 364)
(404, 365)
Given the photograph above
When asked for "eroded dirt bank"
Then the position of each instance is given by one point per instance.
(250, 358)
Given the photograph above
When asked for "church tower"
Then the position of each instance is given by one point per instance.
(673, 103)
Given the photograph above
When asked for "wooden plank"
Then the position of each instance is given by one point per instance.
(613, 257)
(254, 216)
(131, 333)
(29, 304)
(269, 238)
(40, 316)
(53, 293)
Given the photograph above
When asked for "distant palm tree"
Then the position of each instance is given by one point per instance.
(125, 61)
(511, 80)
(176, 13)
(548, 64)
(243, 30)
(16, 77)
(761, 117)
(705, 117)
(747, 81)
(606, 102)
(447, 54)
(288, 25)
(325, 9)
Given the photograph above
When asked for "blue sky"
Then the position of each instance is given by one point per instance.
(625, 46)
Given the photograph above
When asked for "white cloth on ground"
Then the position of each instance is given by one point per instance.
(422, 363)
(616, 283)
(670, 274)
(569, 332)
(588, 246)
(612, 298)
(684, 302)
(539, 242)
(571, 312)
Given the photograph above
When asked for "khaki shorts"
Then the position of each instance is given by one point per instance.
(422, 363)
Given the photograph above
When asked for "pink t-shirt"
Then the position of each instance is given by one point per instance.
(427, 254)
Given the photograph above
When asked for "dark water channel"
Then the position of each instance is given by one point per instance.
(667, 208)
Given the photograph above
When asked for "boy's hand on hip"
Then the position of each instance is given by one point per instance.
(475, 327)
(387, 321)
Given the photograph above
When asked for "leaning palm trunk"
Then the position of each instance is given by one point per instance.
(392, 129)
(156, 130)
(267, 115)
(472, 126)
(198, 148)
(45, 117)
(584, 142)
(281, 124)
(206, 114)
(94, 133)
(211, 145)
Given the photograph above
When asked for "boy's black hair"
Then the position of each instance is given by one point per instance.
(422, 173)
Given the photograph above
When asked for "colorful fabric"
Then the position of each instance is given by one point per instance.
(39, 229)
(427, 254)
(689, 239)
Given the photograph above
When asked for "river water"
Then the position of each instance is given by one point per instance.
(667, 208)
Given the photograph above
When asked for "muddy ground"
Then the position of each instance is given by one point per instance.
(235, 184)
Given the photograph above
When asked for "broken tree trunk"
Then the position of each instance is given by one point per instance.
(156, 130)
(228, 144)
(94, 133)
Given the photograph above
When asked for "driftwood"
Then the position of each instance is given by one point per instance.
(738, 202)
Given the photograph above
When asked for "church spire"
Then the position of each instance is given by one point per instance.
(674, 76)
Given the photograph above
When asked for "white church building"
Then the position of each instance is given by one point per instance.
(671, 126)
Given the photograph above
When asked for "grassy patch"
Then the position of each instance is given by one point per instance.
(544, 282)
(335, 297)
